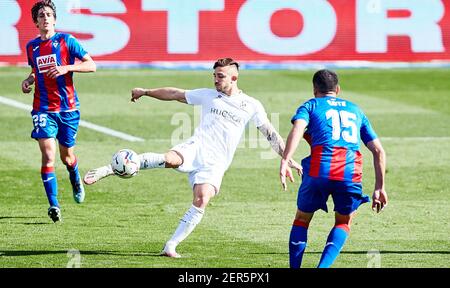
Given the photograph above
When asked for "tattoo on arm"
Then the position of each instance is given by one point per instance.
(273, 137)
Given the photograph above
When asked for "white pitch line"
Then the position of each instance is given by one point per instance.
(110, 132)
(424, 138)
(92, 126)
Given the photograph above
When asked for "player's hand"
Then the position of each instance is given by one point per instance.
(57, 71)
(285, 170)
(296, 166)
(379, 200)
(26, 86)
(136, 93)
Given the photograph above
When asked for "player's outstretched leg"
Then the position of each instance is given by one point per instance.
(202, 194)
(94, 175)
(147, 160)
(152, 160)
(187, 224)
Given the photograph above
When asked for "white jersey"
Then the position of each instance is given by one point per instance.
(223, 122)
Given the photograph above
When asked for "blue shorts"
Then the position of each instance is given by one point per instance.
(314, 191)
(62, 126)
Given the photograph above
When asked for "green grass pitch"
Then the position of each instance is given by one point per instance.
(124, 223)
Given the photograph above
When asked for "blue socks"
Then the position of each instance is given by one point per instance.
(298, 239)
(74, 175)
(50, 184)
(297, 243)
(335, 242)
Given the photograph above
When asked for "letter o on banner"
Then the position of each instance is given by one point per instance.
(253, 25)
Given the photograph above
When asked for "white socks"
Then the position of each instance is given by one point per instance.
(187, 224)
(152, 160)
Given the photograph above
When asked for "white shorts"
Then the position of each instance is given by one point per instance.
(200, 164)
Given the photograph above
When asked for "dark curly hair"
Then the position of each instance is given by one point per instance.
(41, 4)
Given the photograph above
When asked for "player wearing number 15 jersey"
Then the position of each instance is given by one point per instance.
(55, 106)
(333, 127)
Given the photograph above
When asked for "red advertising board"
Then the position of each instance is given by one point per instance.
(146, 31)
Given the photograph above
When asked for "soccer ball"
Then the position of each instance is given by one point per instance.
(125, 163)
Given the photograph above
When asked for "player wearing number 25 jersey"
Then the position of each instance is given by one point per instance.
(333, 127)
(54, 95)
(55, 106)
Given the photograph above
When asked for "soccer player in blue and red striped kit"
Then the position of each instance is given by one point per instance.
(333, 127)
(55, 111)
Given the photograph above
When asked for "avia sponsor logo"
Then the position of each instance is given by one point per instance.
(227, 115)
(46, 62)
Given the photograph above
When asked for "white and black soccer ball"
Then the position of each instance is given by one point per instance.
(125, 163)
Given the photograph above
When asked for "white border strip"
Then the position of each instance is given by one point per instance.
(265, 65)
(281, 65)
(83, 123)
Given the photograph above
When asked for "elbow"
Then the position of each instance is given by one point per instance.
(381, 151)
(380, 154)
(378, 150)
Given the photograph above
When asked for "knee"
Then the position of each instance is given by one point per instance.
(343, 221)
(48, 160)
(173, 159)
(202, 195)
(201, 201)
(301, 223)
(303, 218)
(67, 159)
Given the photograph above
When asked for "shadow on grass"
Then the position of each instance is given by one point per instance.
(25, 217)
(18, 217)
(365, 252)
(26, 223)
(18, 253)
(15, 253)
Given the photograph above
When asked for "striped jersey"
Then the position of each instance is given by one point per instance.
(54, 95)
(334, 129)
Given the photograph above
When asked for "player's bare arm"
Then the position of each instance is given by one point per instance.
(379, 197)
(292, 141)
(277, 143)
(164, 94)
(26, 84)
(86, 65)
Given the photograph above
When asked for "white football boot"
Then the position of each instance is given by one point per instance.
(94, 175)
(169, 250)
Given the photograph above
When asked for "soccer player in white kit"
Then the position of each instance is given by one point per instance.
(205, 156)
